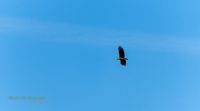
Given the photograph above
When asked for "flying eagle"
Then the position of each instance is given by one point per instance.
(122, 57)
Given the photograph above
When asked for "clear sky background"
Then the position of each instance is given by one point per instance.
(65, 50)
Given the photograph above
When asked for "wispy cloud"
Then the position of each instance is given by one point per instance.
(69, 33)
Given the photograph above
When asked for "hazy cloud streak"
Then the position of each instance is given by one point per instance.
(68, 33)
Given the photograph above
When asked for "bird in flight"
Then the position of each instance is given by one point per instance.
(122, 57)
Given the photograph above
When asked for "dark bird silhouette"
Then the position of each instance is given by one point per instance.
(122, 57)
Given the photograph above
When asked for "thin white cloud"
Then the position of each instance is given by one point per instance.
(68, 33)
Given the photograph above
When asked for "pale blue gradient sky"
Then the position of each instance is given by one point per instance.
(66, 50)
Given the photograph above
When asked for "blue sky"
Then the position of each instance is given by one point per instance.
(65, 51)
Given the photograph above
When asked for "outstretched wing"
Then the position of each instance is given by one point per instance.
(121, 52)
(123, 62)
